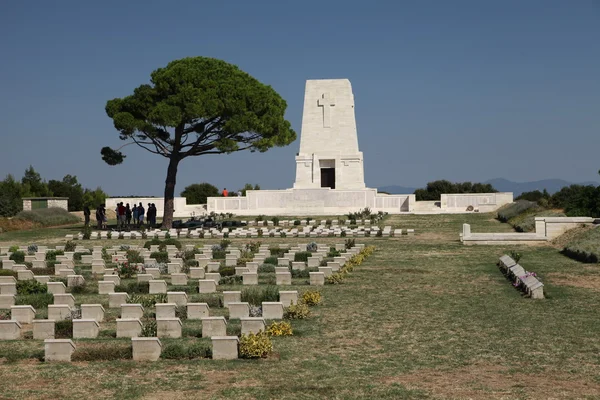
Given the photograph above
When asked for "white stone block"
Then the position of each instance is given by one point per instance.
(23, 314)
(168, 327)
(272, 310)
(116, 299)
(58, 350)
(288, 297)
(197, 310)
(238, 310)
(10, 330)
(146, 348)
(92, 311)
(129, 328)
(43, 329)
(85, 328)
(214, 326)
(179, 298)
(225, 347)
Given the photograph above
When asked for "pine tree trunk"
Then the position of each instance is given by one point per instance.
(170, 192)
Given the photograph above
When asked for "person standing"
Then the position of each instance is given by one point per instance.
(239, 193)
(141, 213)
(121, 220)
(86, 215)
(152, 215)
(99, 219)
(149, 214)
(104, 217)
(128, 214)
(225, 192)
(134, 213)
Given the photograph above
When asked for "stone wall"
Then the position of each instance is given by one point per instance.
(485, 202)
(51, 203)
(182, 209)
(322, 201)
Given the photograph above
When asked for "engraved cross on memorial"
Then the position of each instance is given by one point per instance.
(326, 102)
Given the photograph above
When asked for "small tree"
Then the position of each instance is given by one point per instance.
(198, 192)
(197, 106)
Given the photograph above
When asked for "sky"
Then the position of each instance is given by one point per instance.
(461, 90)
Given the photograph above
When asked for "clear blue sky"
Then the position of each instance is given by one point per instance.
(461, 90)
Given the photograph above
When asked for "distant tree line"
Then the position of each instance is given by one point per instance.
(32, 185)
(435, 189)
(197, 193)
(575, 200)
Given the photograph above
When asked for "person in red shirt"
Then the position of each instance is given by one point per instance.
(225, 192)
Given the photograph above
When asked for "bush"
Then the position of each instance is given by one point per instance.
(180, 351)
(301, 273)
(225, 244)
(297, 311)
(70, 245)
(282, 328)
(149, 327)
(160, 256)
(111, 351)
(87, 232)
(18, 257)
(266, 268)
(153, 242)
(134, 288)
(181, 312)
(350, 243)
(147, 301)
(218, 254)
(31, 287)
(302, 256)
(51, 255)
(231, 280)
(312, 297)
(256, 295)
(37, 301)
(134, 257)
(335, 279)
(270, 260)
(169, 242)
(227, 271)
(255, 345)
(63, 329)
(48, 217)
(513, 209)
(525, 222)
(81, 289)
(7, 272)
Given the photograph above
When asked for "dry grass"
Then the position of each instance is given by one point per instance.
(424, 317)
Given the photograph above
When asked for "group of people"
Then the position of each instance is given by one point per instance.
(225, 193)
(138, 213)
(125, 215)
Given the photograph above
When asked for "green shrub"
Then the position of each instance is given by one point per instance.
(170, 242)
(218, 254)
(180, 351)
(82, 289)
(525, 222)
(87, 232)
(227, 271)
(160, 256)
(231, 280)
(48, 216)
(255, 345)
(300, 273)
(270, 260)
(265, 268)
(7, 272)
(134, 288)
(225, 243)
(312, 297)
(333, 253)
(256, 295)
(147, 301)
(111, 351)
(513, 209)
(31, 287)
(134, 257)
(153, 242)
(584, 246)
(302, 256)
(37, 301)
(276, 252)
(13, 248)
(63, 329)
(181, 312)
(70, 245)
(149, 328)
(77, 256)
(18, 257)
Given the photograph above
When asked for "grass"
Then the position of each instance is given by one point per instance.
(584, 246)
(423, 318)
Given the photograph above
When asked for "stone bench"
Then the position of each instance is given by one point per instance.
(165, 310)
(225, 347)
(179, 298)
(252, 325)
(85, 328)
(168, 327)
(238, 310)
(58, 350)
(22, 314)
(43, 329)
(146, 348)
(214, 326)
(197, 310)
(10, 330)
(231, 296)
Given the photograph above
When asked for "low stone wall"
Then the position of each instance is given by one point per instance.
(322, 201)
(546, 228)
(484, 202)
